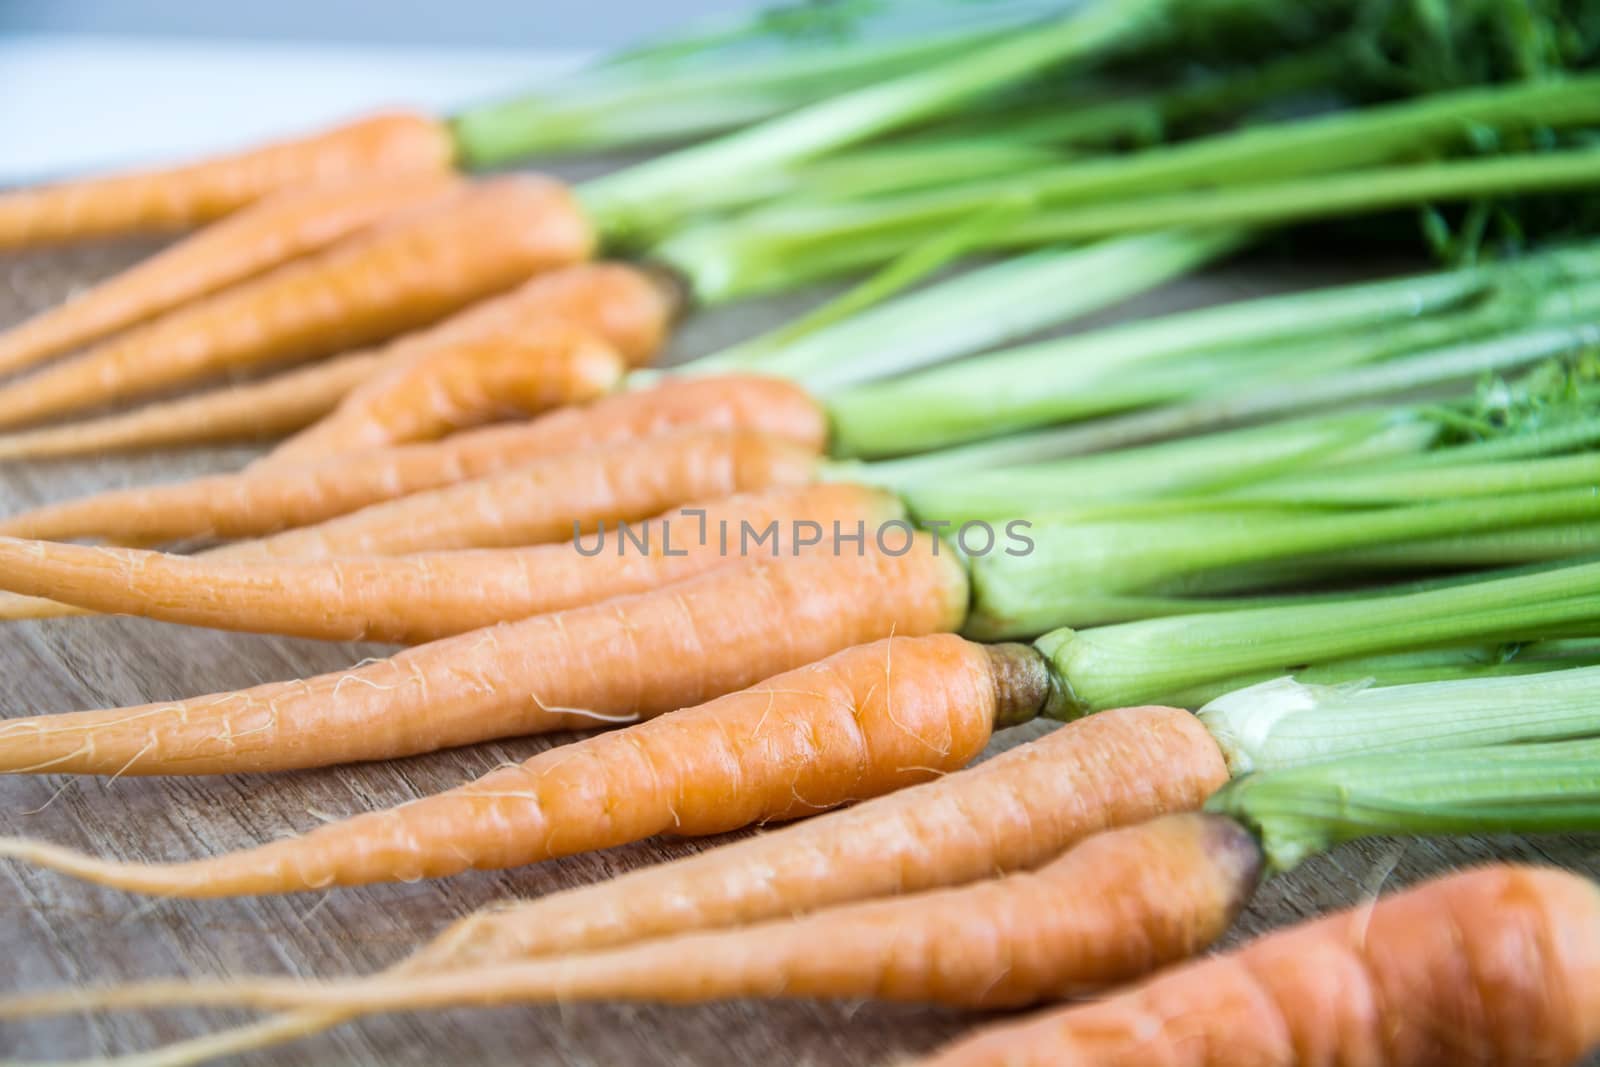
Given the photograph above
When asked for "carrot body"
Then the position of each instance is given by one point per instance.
(472, 384)
(405, 273)
(1112, 908)
(549, 499)
(259, 502)
(430, 595)
(1013, 812)
(863, 722)
(246, 411)
(631, 657)
(282, 227)
(621, 305)
(201, 192)
(1495, 966)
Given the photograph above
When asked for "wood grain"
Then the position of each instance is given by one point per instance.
(53, 931)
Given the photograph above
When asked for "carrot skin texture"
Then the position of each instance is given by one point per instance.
(549, 499)
(473, 384)
(1494, 966)
(280, 228)
(863, 722)
(252, 503)
(624, 306)
(414, 269)
(423, 597)
(636, 656)
(200, 192)
(1013, 812)
(246, 411)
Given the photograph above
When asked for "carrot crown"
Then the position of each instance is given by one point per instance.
(1550, 787)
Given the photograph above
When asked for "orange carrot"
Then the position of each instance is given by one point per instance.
(244, 411)
(200, 192)
(624, 306)
(861, 723)
(471, 384)
(430, 595)
(407, 272)
(1112, 908)
(634, 656)
(549, 499)
(257, 502)
(1013, 812)
(281, 227)
(1495, 966)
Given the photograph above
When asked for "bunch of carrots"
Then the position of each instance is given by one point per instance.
(809, 578)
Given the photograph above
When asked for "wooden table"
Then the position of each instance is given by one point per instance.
(55, 931)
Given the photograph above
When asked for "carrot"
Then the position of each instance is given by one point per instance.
(250, 503)
(863, 722)
(405, 273)
(202, 192)
(549, 499)
(281, 227)
(1494, 966)
(634, 656)
(624, 306)
(1112, 908)
(244, 411)
(430, 595)
(1013, 812)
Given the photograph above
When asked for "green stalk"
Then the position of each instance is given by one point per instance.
(1408, 668)
(1126, 190)
(979, 309)
(1286, 722)
(1321, 197)
(1536, 788)
(1188, 466)
(1065, 378)
(1457, 363)
(706, 91)
(1434, 483)
(644, 198)
(1503, 548)
(1151, 660)
(1091, 573)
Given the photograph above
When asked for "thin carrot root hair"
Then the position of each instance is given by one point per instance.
(1114, 907)
(641, 655)
(281, 227)
(415, 268)
(264, 501)
(423, 597)
(860, 723)
(625, 307)
(1492, 966)
(201, 192)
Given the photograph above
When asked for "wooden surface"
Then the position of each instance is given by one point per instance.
(54, 931)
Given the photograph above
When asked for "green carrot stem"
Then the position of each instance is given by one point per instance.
(1097, 373)
(1286, 722)
(1456, 363)
(643, 198)
(970, 312)
(1141, 662)
(1435, 482)
(621, 104)
(1188, 466)
(1501, 548)
(1125, 191)
(1321, 197)
(1534, 788)
(1091, 573)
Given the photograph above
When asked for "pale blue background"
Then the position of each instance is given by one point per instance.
(92, 84)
